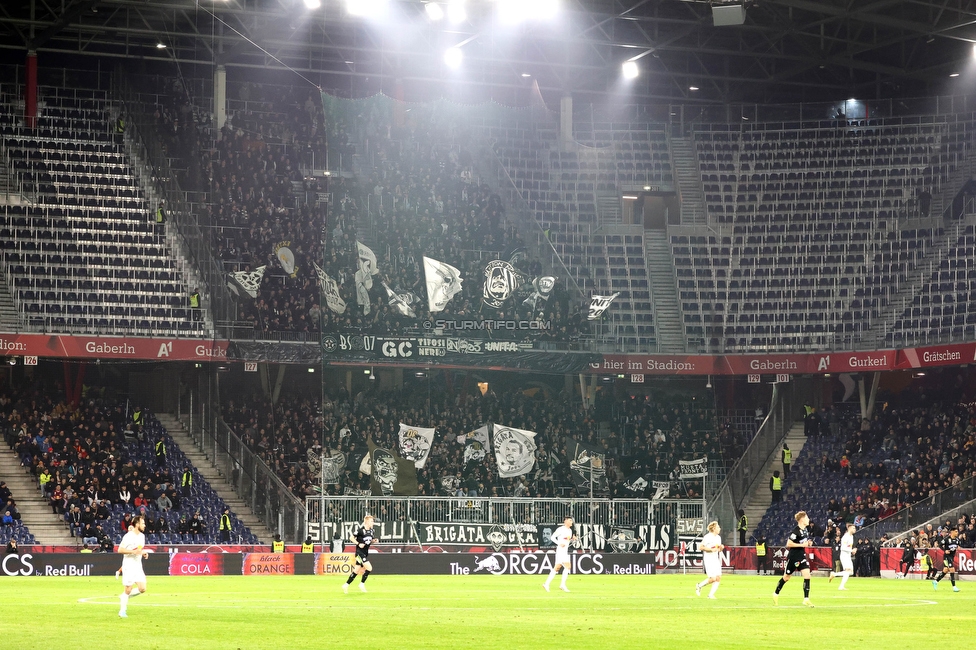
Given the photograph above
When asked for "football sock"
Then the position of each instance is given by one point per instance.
(124, 600)
(552, 574)
(135, 592)
(843, 581)
(365, 575)
(702, 584)
(352, 576)
(780, 585)
(806, 587)
(713, 589)
(952, 577)
(939, 579)
(566, 575)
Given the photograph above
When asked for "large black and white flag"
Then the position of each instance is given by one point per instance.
(501, 281)
(637, 483)
(514, 450)
(247, 281)
(541, 290)
(415, 443)
(587, 465)
(365, 270)
(475, 444)
(330, 288)
(327, 467)
(286, 258)
(693, 468)
(599, 304)
(401, 300)
(443, 283)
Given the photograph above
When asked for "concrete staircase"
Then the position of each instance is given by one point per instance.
(664, 292)
(213, 476)
(9, 315)
(760, 499)
(690, 190)
(47, 527)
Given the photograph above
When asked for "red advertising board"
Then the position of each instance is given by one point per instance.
(63, 346)
(196, 564)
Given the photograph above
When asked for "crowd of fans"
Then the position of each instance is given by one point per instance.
(294, 432)
(422, 198)
(84, 462)
(414, 194)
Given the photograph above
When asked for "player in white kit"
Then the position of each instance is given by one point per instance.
(133, 551)
(711, 546)
(562, 538)
(846, 560)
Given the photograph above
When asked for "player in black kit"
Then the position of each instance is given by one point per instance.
(362, 539)
(949, 545)
(796, 559)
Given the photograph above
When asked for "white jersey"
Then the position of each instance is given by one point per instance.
(132, 572)
(710, 540)
(846, 546)
(562, 537)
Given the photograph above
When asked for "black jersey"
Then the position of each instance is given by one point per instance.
(364, 536)
(949, 547)
(798, 536)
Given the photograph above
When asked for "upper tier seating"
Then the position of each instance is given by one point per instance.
(85, 254)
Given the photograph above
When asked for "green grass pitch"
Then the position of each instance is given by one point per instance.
(497, 612)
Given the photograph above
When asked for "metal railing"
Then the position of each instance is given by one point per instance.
(785, 408)
(252, 480)
(141, 127)
(325, 511)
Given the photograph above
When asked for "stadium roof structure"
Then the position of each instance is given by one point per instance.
(784, 51)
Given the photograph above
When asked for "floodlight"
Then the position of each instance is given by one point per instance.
(630, 69)
(160, 46)
(456, 12)
(313, 4)
(434, 11)
(453, 57)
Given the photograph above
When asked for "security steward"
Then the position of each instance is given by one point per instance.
(225, 526)
(742, 526)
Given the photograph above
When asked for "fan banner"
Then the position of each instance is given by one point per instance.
(587, 465)
(501, 281)
(401, 301)
(514, 450)
(286, 258)
(391, 473)
(598, 305)
(365, 270)
(247, 281)
(693, 468)
(331, 290)
(415, 443)
(443, 283)
(475, 444)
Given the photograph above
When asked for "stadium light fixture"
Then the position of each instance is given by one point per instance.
(456, 13)
(313, 4)
(693, 88)
(526, 75)
(453, 58)
(630, 70)
(434, 11)
(629, 197)
(954, 74)
(160, 46)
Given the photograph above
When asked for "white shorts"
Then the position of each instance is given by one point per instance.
(133, 576)
(846, 564)
(562, 557)
(713, 566)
